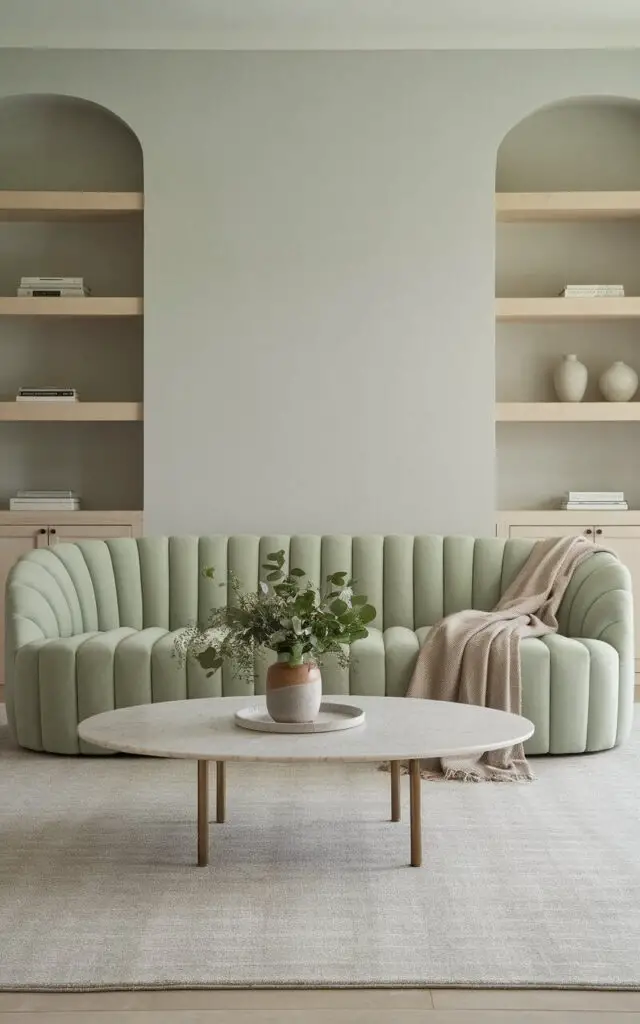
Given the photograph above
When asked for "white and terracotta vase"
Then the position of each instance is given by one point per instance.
(570, 379)
(294, 692)
(619, 383)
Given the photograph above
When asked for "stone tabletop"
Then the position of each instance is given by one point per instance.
(396, 728)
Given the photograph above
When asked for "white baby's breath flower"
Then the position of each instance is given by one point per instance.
(212, 637)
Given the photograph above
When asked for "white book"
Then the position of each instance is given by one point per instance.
(594, 496)
(616, 506)
(38, 508)
(45, 497)
(37, 282)
(594, 287)
(46, 501)
(47, 398)
(54, 495)
(17, 505)
(593, 291)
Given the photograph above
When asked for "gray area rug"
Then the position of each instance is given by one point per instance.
(522, 885)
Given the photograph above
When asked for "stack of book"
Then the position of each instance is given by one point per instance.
(53, 287)
(45, 501)
(594, 501)
(593, 291)
(51, 394)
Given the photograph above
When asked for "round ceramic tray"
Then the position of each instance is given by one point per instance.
(331, 718)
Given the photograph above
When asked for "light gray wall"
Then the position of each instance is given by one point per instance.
(319, 274)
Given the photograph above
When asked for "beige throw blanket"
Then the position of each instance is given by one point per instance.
(473, 657)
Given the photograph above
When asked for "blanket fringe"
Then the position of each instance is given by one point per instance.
(469, 775)
(463, 774)
(425, 774)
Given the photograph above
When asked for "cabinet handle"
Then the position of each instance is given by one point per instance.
(599, 532)
(52, 530)
(588, 531)
(42, 530)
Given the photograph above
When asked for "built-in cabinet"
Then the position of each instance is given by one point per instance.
(22, 533)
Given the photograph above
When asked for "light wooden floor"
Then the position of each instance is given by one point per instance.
(408, 1006)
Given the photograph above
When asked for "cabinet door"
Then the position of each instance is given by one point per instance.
(78, 531)
(15, 541)
(625, 541)
(534, 532)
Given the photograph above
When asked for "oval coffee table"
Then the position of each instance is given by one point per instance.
(396, 729)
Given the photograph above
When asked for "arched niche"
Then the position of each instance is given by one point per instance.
(66, 143)
(582, 144)
(51, 143)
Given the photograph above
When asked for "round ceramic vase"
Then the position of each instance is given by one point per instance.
(570, 379)
(294, 692)
(619, 383)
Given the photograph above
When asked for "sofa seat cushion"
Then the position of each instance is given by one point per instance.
(570, 690)
(569, 687)
(60, 682)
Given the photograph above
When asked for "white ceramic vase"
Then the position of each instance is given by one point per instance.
(570, 379)
(294, 692)
(619, 383)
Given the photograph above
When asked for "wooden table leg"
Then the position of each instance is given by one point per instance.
(221, 792)
(395, 791)
(415, 783)
(203, 813)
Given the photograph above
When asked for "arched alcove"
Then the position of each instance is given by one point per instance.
(578, 146)
(62, 142)
(53, 146)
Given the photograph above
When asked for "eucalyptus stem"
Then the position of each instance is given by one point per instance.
(286, 615)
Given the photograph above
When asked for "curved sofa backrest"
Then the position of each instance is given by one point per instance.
(158, 581)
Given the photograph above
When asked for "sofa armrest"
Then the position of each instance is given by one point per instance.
(598, 605)
(598, 602)
(39, 596)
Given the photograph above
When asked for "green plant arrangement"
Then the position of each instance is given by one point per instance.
(285, 615)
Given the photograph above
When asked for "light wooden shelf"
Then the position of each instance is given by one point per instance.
(563, 206)
(557, 517)
(108, 517)
(25, 306)
(69, 206)
(67, 412)
(567, 412)
(541, 309)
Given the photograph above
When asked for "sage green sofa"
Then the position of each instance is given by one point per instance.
(91, 627)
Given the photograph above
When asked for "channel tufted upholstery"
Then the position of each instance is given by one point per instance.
(91, 627)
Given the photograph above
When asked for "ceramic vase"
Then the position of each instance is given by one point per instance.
(294, 692)
(619, 383)
(570, 379)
